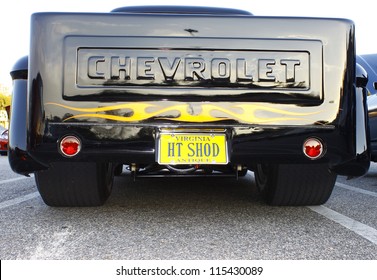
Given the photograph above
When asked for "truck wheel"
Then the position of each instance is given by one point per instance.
(75, 184)
(294, 184)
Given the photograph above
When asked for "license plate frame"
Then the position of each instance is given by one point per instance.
(182, 148)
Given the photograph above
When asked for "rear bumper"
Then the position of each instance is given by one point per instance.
(246, 145)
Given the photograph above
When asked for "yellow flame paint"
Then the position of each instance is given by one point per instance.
(180, 112)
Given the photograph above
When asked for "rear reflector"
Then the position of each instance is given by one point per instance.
(313, 148)
(70, 146)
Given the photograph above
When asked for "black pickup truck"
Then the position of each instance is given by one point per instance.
(188, 91)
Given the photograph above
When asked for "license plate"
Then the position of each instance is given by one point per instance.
(192, 148)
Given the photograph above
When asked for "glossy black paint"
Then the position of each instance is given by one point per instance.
(267, 119)
(18, 156)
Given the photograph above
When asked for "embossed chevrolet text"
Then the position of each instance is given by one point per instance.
(122, 67)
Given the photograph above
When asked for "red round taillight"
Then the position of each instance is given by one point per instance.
(313, 148)
(70, 146)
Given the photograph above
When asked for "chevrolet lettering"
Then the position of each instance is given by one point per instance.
(181, 91)
(243, 69)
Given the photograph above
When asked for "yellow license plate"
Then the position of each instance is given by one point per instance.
(192, 148)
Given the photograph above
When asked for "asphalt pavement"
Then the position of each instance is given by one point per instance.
(188, 219)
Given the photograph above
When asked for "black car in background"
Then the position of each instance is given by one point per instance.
(369, 63)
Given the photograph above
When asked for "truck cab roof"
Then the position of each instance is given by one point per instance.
(181, 10)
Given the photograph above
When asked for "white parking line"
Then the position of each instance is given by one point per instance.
(14, 179)
(18, 200)
(361, 229)
(347, 187)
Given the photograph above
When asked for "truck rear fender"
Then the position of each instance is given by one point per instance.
(19, 160)
(361, 134)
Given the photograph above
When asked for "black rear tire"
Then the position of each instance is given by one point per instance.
(75, 184)
(294, 184)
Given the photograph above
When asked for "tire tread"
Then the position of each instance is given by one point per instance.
(298, 185)
(73, 184)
